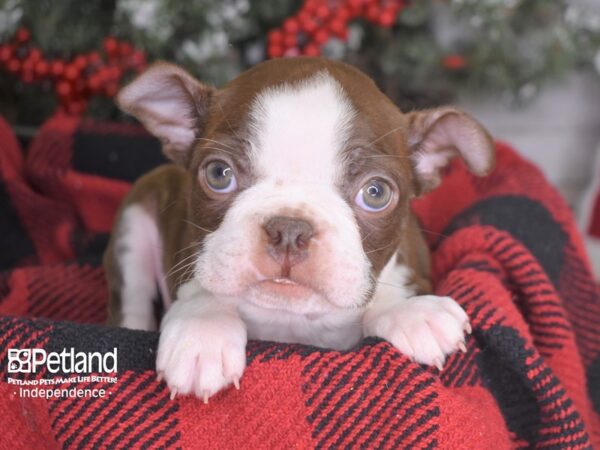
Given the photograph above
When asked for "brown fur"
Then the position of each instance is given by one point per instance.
(163, 192)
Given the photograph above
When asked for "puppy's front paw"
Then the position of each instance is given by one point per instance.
(426, 328)
(202, 355)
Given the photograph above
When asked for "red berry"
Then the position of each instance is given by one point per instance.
(337, 27)
(94, 84)
(290, 40)
(71, 72)
(454, 62)
(355, 6)
(41, 68)
(27, 65)
(5, 52)
(125, 48)
(57, 68)
(291, 26)
(342, 13)
(275, 51)
(14, 65)
(373, 12)
(321, 36)
(63, 89)
(311, 50)
(110, 45)
(310, 26)
(138, 59)
(27, 77)
(311, 6)
(35, 54)
(323, 12)
(22, 35)
(275, 37)
(387, 18)
(80, 86)
(80, 62)
(114, 73)
(94, 57)
(303, 16)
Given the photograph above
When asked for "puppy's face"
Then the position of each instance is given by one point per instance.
(302, 172)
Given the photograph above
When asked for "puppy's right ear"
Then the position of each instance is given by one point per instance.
(171, 104)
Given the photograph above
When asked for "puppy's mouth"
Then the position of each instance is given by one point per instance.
(287, 294)
(285, 288)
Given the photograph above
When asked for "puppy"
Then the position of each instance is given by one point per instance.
(285, 217)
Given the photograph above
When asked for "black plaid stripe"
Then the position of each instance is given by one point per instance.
(350, 396)
(136, 412)
(16, 333)
(531, 280)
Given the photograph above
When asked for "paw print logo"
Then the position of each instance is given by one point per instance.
(19, 361)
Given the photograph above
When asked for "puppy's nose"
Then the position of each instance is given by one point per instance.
(289, 239)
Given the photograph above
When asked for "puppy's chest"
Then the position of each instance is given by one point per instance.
(339, 331)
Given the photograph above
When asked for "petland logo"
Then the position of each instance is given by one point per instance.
(29, 360)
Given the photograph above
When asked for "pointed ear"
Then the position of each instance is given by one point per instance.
(171, 104)
(435, 136)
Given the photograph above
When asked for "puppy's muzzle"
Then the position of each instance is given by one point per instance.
(288, 241)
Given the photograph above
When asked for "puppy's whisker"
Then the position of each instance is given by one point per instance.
(219, 149)
(386, 134)
(184, 274)
(167, 207)
(433, 233)
(379, 249)
(177, 266)
(385, 156)
(216, 142)
(185, 268)
(198, 226)
(187, 247)
(367, 235)
(392, 285)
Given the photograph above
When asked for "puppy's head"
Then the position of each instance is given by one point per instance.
(303, 171)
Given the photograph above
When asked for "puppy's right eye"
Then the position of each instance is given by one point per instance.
(220, 177)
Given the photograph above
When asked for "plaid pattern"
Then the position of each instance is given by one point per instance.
(505, 247)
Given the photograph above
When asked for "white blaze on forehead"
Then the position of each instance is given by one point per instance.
(300, 130)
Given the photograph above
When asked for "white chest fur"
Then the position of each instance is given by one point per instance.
(340, 330)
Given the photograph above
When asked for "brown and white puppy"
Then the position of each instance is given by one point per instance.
(286, 218)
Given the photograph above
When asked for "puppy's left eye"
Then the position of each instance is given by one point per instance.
(220, 177)
(375, 195)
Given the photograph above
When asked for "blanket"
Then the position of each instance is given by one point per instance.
(505, 247)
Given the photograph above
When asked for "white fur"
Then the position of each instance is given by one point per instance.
(426, 328)
(202, 346)
(138, 245)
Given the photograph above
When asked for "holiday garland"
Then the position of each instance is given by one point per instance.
(77, 80)
(420, 52)
(317, 21)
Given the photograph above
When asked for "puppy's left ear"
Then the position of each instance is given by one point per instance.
(435, 136)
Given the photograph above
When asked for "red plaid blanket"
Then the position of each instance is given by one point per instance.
(505, 247)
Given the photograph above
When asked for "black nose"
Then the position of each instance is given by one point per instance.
(289, 239)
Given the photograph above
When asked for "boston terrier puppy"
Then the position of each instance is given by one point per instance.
(285, 217)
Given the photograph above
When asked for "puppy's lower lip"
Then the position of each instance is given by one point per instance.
(283, 281)
(286, 288)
